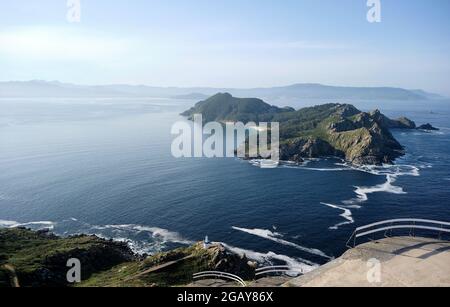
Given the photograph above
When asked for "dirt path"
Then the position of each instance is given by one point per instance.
(159, 267)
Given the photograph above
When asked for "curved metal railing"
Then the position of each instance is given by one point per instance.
(220, 275)
(278, 269)
(390, 225)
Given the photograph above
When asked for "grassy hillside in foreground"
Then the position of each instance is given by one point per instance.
(38, 259)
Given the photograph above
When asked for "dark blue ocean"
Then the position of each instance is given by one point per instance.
(105, 167)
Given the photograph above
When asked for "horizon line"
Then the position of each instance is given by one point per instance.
(219, 87)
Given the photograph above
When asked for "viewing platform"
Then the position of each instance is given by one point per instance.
(403, 262)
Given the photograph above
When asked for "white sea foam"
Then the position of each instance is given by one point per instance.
(276, 237)
(303, 166)
(297, 263)
(391, 172)
(160, 234)
(362, 193)
(325, 169)
(134, 235)
(165, 235)
(386, 169)
(346, 215)
(138, 247)
(3, 197)
(122, 233)
(44, 224)
(429, 132)
(7, 224)
(284, 164)
(36, 225)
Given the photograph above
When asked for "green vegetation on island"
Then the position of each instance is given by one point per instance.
(339, 130)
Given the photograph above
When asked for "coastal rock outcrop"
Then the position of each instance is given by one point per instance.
(400, 123)
(427, 127)
(296, 150)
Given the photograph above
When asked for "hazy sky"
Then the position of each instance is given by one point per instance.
(228, 43)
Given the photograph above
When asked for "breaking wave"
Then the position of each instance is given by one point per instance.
(3, 197)
(7, 224)
(346, 215)
(268, 258)
(390, 172)
(387, 187)
(129, 233)
(160, 234)
(39, 225)
(141, 239)
(331, 169)
(387, 169)
(276, 237)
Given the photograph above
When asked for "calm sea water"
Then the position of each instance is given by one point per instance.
(105, 167)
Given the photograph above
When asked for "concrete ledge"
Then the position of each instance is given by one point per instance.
(405, 261)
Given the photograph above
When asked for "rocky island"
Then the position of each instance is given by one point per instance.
(338, 130)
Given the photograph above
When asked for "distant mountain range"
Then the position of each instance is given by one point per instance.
(37, 88)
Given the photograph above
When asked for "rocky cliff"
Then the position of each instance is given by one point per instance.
(358, 137)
